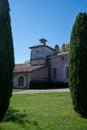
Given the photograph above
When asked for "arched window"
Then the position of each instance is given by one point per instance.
(21, 81)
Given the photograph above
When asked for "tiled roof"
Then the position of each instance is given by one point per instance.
(42, 45)
(26, 68)
(63, 53)
(59, 54)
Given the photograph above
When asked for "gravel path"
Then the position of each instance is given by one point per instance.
(42, 91)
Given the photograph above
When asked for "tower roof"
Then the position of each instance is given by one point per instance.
(42, 44)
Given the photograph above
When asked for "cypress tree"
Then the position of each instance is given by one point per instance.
(78, 64)
(6, 58)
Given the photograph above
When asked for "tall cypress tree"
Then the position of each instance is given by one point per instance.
(78, 64)
(6, 58)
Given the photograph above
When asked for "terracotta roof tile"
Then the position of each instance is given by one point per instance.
(26, 68)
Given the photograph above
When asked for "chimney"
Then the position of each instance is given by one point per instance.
(43, 41)
(56, 49)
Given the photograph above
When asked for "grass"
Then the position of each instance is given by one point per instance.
(43, 111)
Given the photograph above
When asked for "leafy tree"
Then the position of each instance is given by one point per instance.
(27, 62)
(78, 64)
(65, 47)
(6, 58)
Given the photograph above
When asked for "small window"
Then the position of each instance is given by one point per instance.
(37, 51)
(37, 54)
(21, 81)
(63, 58)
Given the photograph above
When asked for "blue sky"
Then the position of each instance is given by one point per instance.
(32, 20)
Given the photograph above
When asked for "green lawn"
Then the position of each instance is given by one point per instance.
(43, 111)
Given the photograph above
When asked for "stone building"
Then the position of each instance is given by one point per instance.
(46, 63)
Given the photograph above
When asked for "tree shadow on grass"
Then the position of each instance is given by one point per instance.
(15, 116)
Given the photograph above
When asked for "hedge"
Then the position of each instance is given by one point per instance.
(47, 85)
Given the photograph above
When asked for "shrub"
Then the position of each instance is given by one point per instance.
(47, 85)
(6, 58)
(78, 64)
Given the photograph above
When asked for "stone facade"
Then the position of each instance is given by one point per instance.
(59, 67)
(45, 64)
